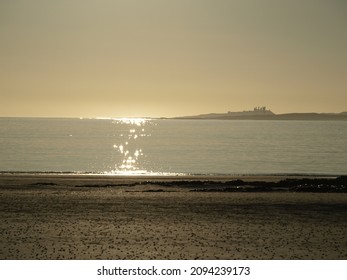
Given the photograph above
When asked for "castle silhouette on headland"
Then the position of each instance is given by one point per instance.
(256, 111)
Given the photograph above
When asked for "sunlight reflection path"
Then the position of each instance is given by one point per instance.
(130, 146)
(131, 159)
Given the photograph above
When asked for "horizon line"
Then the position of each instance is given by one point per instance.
(159, 117)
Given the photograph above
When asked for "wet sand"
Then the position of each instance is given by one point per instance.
(103, 217)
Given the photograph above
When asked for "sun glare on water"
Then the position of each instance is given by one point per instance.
(132, 121)
(129, 148)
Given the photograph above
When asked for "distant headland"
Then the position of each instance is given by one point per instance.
(262, 113)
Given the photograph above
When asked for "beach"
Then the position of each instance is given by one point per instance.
(53, 216)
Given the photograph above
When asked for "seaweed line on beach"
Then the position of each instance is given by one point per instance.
(321, 185)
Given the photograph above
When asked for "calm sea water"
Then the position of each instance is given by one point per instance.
(138, 146)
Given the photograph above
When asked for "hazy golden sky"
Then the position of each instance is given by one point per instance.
(109, 58)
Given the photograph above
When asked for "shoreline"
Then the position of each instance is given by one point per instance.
(236, 183)
(155, 177)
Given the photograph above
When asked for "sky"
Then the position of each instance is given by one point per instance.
(156, 58)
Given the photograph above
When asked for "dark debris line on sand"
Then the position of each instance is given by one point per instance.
(317, 185)
(338, 185)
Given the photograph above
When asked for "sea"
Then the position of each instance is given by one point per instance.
(138, 146)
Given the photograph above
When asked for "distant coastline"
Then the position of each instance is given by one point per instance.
(262, 113)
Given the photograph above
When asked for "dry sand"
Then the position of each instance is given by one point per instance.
(90, 217)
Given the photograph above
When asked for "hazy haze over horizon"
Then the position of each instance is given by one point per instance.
(171, 58)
